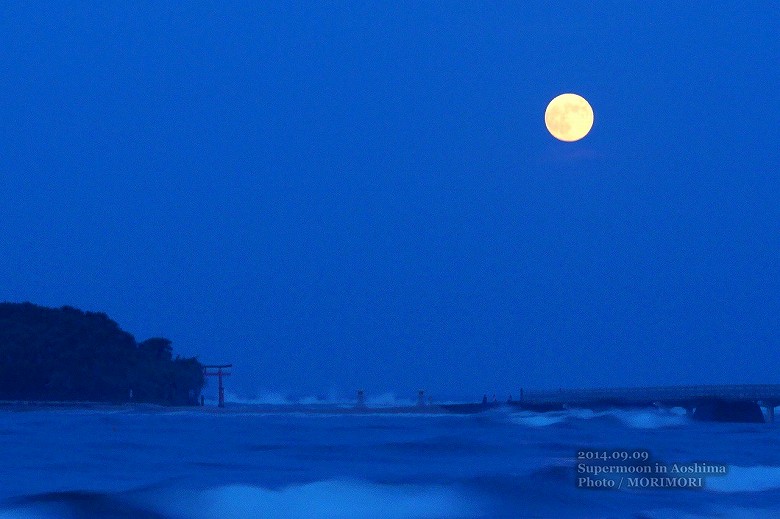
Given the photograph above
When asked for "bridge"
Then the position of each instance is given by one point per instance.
(705, 400)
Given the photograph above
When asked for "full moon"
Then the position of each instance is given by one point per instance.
(568, 117)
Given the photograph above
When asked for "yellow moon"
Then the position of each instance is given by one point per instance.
(568, 117)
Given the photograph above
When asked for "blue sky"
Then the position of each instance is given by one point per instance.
(334, 195)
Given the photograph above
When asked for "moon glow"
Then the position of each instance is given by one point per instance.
(568, 117)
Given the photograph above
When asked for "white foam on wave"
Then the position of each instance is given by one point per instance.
(745, 479)
(262, 399)
(531, 419)
(387, 400)
(332, 499)
(323, 499)
(276, 398)
(650, 419)
(637, 419)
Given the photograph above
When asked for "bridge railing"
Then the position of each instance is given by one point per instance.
(769, 392)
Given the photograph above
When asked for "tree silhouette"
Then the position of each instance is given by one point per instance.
(68, 354)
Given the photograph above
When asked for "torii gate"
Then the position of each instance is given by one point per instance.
(219, 374)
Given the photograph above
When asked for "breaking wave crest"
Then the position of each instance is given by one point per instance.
(322, 499)
(272, 398)
(637, 419)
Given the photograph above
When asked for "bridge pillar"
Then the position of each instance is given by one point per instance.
(770, 412)
(689, 411)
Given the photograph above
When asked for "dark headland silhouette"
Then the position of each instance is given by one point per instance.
(66, 354)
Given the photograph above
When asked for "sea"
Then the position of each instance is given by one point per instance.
(248, 461)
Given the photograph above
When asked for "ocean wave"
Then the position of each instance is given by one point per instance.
(81, 504)
(531, 419)
(263, 399)
(635, 418)
(387, 399)
(745, 479)
(276, 398)
(322, 499)
(651, 418)
(326, 499)
(718, 513)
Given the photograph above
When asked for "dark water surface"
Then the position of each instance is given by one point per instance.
(197, 464)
